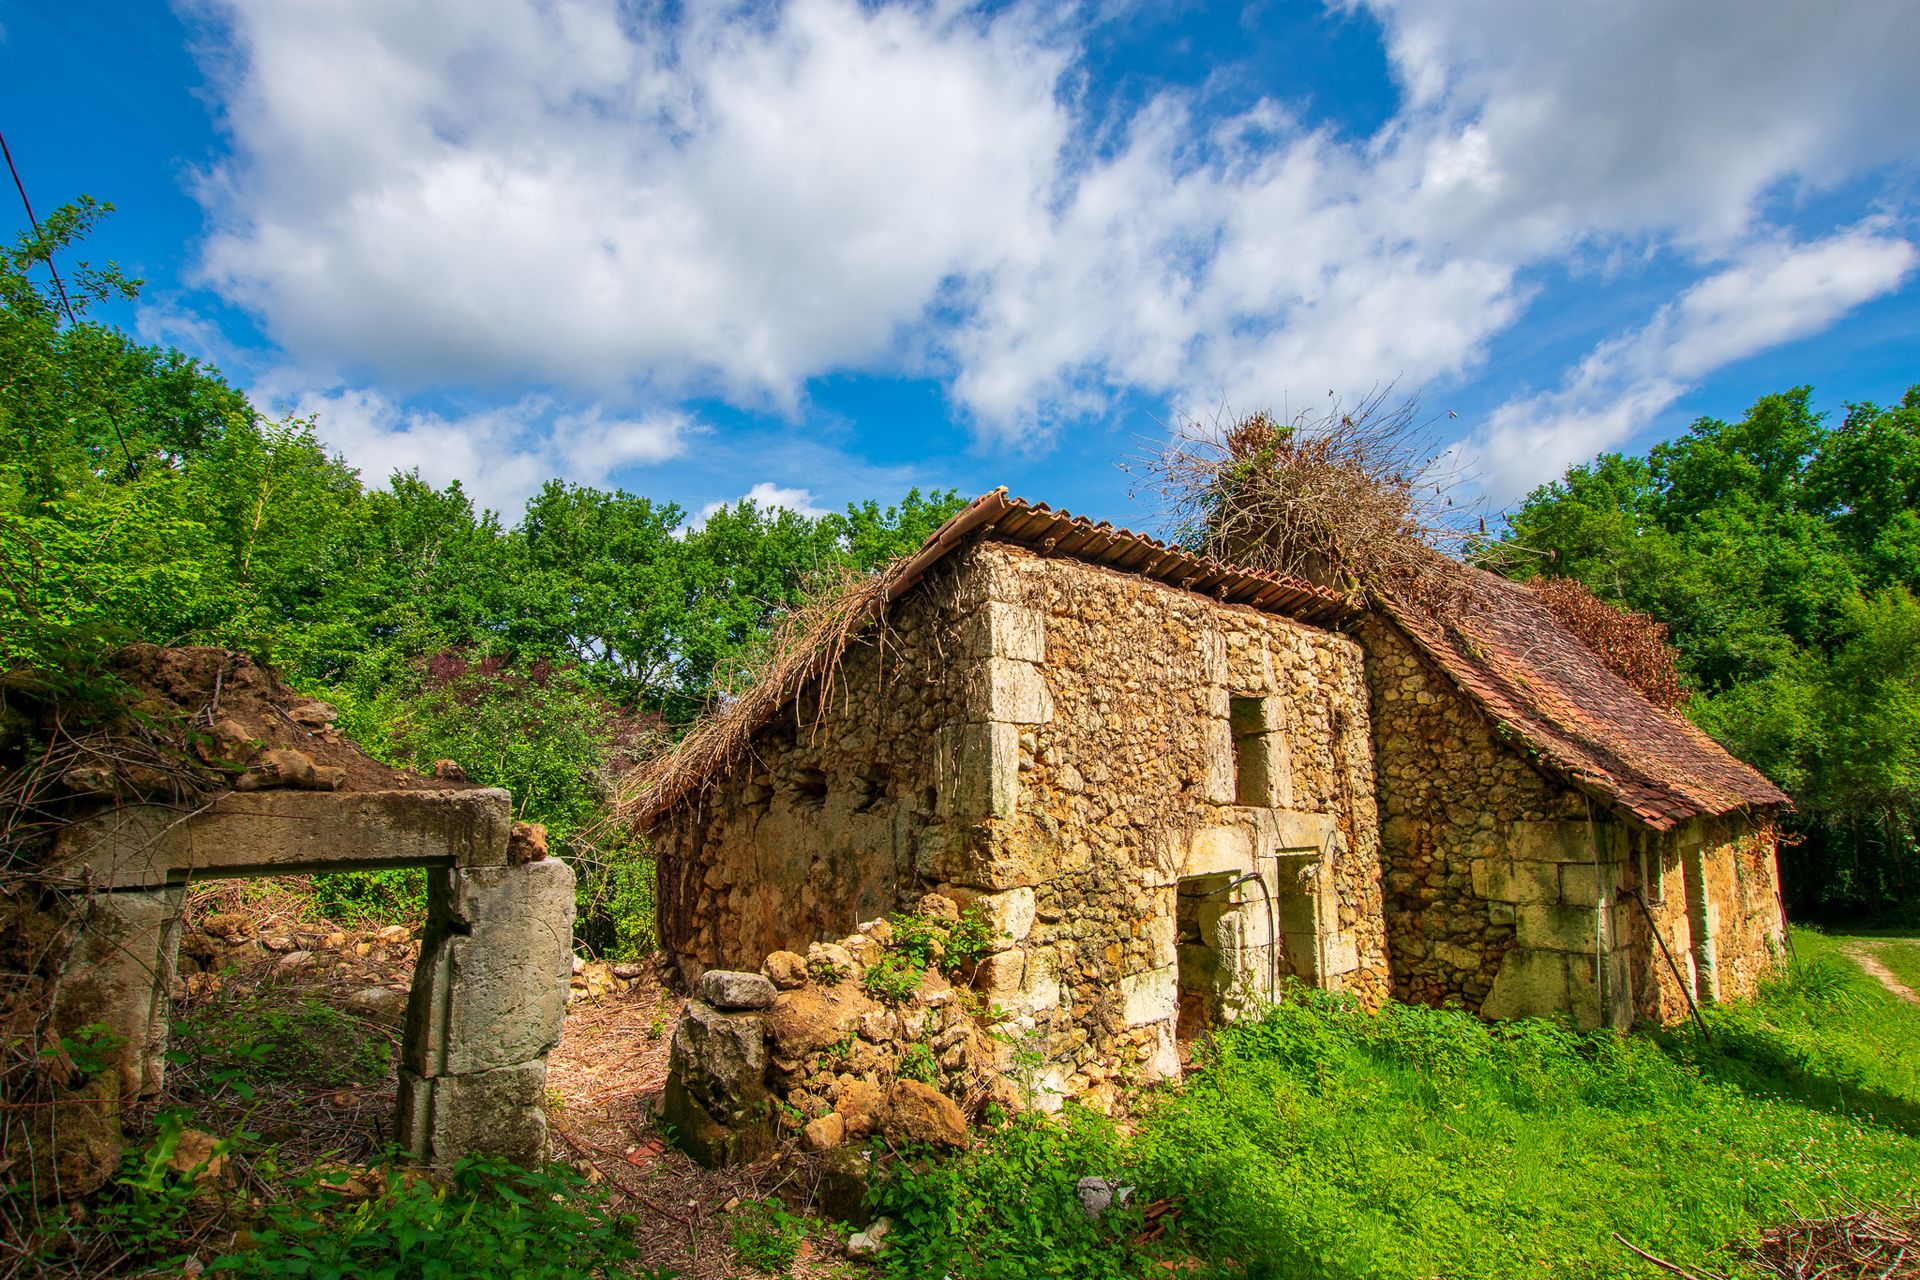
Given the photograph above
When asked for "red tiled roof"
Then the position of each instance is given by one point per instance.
(1540, 683)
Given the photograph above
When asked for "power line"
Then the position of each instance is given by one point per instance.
(21, 187)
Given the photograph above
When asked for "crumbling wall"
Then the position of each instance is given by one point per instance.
(1502, 884)
(1515, 894)
(1110, 708)
(1713, 892)
(819, 828)
(1057, 744)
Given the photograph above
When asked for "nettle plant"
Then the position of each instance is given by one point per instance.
(919, 942)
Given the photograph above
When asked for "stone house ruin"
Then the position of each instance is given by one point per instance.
(1171, 784)
(489, 988)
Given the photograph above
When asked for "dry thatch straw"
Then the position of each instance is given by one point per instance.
(1356, 498)
(803, 652)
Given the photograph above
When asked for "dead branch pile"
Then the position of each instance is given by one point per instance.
(1864, 1243)
(1356, 498)
(801, 656)
(1632, 645)
(1880, 1243)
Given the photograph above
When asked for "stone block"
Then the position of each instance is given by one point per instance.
(496, 1113)
(1591, 1005)
(1342, 955)
(1285, 829)
(1150, 996)
(115, 977)
(504, 992)
(1458, 956)
(731, 989)
(1530, 984)
(1163, 934)
(1503, 880)
(1220, 783)
(1218, 851)
(1010, 912)
(1001, 976)
(1550, 841)
(1580, 884)
(977, 771)
(996, 629)
(288, 832)
(720, 1057)
(1042, 983)
(1008, 692)
(1551, 927)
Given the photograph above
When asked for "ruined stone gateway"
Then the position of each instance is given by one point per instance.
(489, 990)
(1172, 784)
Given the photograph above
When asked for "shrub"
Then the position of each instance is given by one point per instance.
(766, 1237)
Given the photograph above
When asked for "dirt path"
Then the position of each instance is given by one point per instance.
(1866, 959)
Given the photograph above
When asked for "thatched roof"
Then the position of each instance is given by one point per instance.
(1545, 689)
(814, 637)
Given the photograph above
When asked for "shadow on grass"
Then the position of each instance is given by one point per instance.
(1758, 1062)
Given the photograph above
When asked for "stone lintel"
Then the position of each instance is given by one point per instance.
(286, 833)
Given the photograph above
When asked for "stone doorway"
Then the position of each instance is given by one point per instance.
(489, 989)
(1223, 933)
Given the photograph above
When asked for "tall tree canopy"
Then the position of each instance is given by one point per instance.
(1784, 553)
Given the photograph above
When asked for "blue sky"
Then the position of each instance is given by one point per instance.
(822, 251)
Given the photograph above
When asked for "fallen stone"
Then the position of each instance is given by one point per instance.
(449, 771)
(732, 989)
(872, 1242)
(629, 972)
(824, 1133)
(228, 925)
(1097, 1195)
(197, 1155)
(382, 1004)
(811, 1018)
(294, 961)
(859, 1106)
(785, 970)
(287, 767)
(721, 1057)
(917, 1112)
(528, 842)
(314, 715)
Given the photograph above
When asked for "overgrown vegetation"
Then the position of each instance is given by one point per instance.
(1783, 552)
(1323, 1141)
(482, 1218)
(143, 498)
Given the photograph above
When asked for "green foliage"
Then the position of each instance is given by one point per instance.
(918, 1063)
(892, 979)
(766, 1236)
(368, 897)
(303, 1044)
(485, 1219)
(1784, 554)
(1324, 1141)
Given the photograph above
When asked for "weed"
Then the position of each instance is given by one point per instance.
(891, 980)
(824, 971)
(766, 1237)
(918, 1063)
(306, 1044)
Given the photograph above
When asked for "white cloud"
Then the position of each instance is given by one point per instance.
(500, 455)
(767, 496)
(737, 199)
(1778, 293)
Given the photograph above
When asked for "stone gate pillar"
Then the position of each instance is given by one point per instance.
(488, 999)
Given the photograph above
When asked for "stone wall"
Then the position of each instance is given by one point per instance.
(1514, 894)
(1713, 891)
(1063, 745)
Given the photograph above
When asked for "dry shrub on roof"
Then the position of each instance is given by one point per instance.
(1356, 497)
(797, 660)
(1631, 645)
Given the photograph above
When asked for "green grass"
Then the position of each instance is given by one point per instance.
(1327, 1142)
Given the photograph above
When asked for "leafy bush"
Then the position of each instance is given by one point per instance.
(486, 1219)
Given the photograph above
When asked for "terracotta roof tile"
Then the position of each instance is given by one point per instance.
(1542, 684)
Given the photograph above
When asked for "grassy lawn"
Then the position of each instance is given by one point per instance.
(1900, 953)
(1326, 1142)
